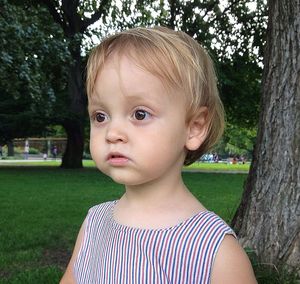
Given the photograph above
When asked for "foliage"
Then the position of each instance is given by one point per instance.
(32, 76)
(237, 141)
(268, 273)
(56, 131)
(234, 36)
(240, 84)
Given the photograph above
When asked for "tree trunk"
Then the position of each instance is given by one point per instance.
(74, 123)
(72, 157)
(268, 218)
(10, 148)
(68, 14)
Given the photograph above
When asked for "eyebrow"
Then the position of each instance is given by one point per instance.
(94, 103)
(140, 96)
(131, 97)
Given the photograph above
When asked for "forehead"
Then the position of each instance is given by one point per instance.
(121, 74)
(127, 72)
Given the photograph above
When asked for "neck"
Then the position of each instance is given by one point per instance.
(156, 205)
(157, 193)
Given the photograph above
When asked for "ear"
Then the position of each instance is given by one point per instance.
(197, 130)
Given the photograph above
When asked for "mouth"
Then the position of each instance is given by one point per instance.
(115, 156)
(117, 159)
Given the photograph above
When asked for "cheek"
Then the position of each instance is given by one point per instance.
(93, 151)
(92, 142)
(163, 143)
(175, 135)
(95, 141)
(92, 148)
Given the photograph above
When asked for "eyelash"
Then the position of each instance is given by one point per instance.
(147, 115)
(94, 116)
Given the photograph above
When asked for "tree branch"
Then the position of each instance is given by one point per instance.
(208, 10)
(69, 8)
(225, 10)
(56, 16)
(172, 4)
(96, 16)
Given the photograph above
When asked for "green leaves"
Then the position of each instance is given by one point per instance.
(30, 79)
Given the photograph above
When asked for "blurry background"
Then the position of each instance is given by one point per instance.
(47, 180)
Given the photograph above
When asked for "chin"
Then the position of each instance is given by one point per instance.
(126, 179)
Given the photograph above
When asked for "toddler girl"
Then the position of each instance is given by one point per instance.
(154, 106)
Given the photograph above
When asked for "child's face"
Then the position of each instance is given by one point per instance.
(138, 130)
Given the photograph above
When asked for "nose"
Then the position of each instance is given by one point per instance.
(116, 133)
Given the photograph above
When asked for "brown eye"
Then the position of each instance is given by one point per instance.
(100, 117)
(141, 114)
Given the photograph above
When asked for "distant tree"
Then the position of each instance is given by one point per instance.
(237, 141)
(268, 218)
(74, 18)
(31, 76)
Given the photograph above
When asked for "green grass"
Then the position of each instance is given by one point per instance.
(42, 208)
(201, 166)
(219, 167)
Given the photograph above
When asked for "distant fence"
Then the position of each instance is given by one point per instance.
(43, 145)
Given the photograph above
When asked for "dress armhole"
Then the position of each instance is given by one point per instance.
(80, 242)
(224, 234)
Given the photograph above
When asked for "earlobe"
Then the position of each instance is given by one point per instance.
(197, 130)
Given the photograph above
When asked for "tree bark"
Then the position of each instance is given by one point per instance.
(268, 218)
(74, 125)
(10, 148)
(72, 157)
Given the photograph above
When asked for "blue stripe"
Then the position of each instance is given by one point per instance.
(107, 244)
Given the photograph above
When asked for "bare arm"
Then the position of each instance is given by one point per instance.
(232, 265)
(68, 277)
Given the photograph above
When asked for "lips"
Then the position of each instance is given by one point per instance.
(115, 155)
(117, 159)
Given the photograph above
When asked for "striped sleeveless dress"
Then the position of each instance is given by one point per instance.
(112, 253)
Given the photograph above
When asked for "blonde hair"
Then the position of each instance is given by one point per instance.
(179, 61)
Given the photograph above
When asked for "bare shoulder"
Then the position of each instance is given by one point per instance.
(232, 264)
(68, 277)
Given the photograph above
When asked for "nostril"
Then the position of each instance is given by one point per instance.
(116, 136)
(116, 140)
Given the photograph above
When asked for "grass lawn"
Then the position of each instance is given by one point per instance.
(42, 208)
(198, 166)
(223, 167)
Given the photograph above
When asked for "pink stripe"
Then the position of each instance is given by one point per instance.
(200, 248)
(192, 236)
(113, 253)
(158, 246)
